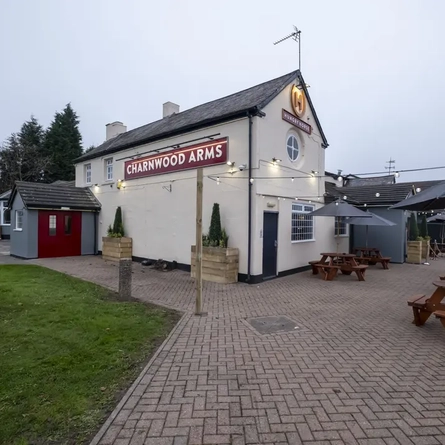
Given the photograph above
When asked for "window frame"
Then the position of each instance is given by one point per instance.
(16, 220)
(109, 167)
(342, 221)
(303, 211)
(3, 209)
(289, 136)
(88, 169)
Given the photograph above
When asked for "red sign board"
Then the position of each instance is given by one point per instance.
(295, 121)
(194, 156)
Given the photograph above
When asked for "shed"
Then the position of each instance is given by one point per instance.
(5, 215)
(52, 220)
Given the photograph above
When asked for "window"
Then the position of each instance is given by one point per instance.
(67, 224)
(341, 228)
(292, 148)
(18, 219)
(88, 173)
(109, 169)
(5, 214)
(302, 224)
(52, 225)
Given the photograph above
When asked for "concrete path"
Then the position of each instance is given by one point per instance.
(355, 371)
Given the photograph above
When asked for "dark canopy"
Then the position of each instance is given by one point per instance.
(431, 199)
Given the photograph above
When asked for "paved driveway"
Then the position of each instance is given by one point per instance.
(355, 371)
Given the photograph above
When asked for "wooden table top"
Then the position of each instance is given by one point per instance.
(340, 255)
(440, 283)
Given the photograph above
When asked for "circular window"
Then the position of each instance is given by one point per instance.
(292, 148)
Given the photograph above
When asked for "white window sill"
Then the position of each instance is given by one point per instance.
(304, 241)
(341, 236)
(18, 230)
(6, 225)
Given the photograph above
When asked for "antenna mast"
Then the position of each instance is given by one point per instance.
(295, 36)
(391, 166)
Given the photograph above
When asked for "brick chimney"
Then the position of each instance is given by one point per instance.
(169, 108)
(113, 129)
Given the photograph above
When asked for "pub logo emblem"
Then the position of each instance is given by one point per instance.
(298, 101)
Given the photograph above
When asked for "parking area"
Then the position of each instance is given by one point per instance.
(346, 366)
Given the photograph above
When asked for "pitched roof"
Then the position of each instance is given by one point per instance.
(4, 196)
(60, 182)
(225, 109)
(50, 196)
(375, 180)
(389, 194)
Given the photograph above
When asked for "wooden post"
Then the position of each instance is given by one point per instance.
(199, 189)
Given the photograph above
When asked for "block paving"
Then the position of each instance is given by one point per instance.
(357, 371)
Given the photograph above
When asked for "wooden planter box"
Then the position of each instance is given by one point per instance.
(219, 265)
(113, 249)
(425, 250)
(414, 254)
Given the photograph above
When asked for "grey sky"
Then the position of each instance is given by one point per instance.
(375, 68)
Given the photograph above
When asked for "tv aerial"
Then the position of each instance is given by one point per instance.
(296, 35)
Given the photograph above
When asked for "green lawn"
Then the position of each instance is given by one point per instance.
(67, 350)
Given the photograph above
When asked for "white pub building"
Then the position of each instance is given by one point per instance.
(263, 155)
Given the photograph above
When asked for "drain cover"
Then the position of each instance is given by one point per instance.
(272, 325)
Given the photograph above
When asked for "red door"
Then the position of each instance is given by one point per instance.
(59, 233)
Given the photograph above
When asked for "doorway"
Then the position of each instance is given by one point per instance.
(270, 244)
(59, 234)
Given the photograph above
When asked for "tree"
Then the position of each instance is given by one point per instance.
(423, 229)
(118, 226)
(21, 156)
(413, 228)
(63, 144)
(33, 161)
(215, 226)
(90, 148)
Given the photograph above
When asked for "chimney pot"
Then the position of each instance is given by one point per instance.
(169, 108)
(114, 129)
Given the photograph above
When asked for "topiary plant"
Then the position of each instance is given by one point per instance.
(413, 228)
(423, 229)
(117, 231)
(215, 226)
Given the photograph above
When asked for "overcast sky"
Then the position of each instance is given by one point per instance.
(376, 68)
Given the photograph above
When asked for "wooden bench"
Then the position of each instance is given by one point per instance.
(441, 316)
(328, 272)
(420, 312)
(372, 261)
(312, 264)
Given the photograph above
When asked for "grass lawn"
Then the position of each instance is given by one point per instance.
(68, 349)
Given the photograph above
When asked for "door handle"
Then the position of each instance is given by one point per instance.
(276, 243)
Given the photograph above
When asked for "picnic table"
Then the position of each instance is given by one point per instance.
(424, 306)
(330, 263)
(372, 256)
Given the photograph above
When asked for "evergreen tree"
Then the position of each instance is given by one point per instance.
(215, 226)
(423, 229)
(33, 162)
(413, 228)
(118, 226)
(63, 144)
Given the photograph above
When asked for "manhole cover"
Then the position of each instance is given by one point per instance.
(272, 325)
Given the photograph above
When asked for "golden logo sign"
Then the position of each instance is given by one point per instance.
(298, 101)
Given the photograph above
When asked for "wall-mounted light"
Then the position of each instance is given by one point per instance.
(217, 180)
(230, 163)
(120, 184)
(314, 172)
(292, 179)
(275, 161)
